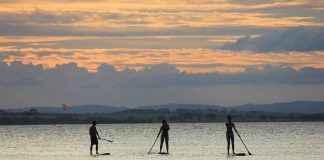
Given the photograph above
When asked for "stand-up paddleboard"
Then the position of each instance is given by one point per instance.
(101, 154)
(239, 154)
(104, 154)
(236, 154)
(163, 153)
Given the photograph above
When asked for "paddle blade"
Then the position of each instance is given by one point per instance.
(250, 153)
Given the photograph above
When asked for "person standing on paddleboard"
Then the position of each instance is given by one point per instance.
(229, 133)
(165, 135)
(93, 137)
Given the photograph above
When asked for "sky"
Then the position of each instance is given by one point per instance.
(139, 52)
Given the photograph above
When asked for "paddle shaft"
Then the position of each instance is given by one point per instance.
(153, 144)
(243, 143)
(106, 140)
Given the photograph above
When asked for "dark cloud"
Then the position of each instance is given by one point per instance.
(252, 76)
(160, 75)
(10, 27)
(293, 39)
(18, 74)
(16, 29)
(38, 16)
(27, 84)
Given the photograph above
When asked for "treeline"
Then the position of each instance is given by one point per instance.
(152, 116)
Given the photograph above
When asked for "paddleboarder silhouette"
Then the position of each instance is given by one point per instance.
(93, 137)
(229, 133)
(164, 136)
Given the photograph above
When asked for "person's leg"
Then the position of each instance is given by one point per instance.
(167, 143)
(91, 149)
(161, 144)
(97, 149)
(232, 140)
(228, 142)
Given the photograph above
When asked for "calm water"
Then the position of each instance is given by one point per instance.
(187, 141)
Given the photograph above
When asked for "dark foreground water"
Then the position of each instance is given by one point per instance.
(269, 141)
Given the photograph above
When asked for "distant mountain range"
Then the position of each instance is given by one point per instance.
(73, 109)
(289, 107)
(173, 107)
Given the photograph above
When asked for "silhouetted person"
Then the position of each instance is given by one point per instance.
(165, 135)
(93, 137)
(229, 133)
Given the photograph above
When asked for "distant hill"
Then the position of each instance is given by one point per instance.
(173, 107)
(73, 109)
(289, 107)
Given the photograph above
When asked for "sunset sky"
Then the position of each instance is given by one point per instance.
(140, 52)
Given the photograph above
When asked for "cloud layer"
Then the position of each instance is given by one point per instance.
(142, 24)
(143, 18)
(23, 85)
(293, 39)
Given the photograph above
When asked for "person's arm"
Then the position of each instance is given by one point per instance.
(97, 134)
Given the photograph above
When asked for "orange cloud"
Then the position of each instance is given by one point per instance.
(190, 60)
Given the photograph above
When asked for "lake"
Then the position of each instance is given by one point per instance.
(197, 141)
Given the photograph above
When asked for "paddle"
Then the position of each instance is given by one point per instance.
(153, 144)
(244, 143)
(106, 140)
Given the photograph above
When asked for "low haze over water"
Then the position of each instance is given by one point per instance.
(269, 141)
